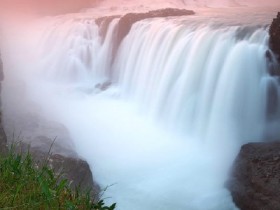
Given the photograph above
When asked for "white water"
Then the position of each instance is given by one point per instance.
(183, 99)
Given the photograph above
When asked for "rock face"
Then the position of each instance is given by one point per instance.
(273, 59)
(255, 177)
(274, 33)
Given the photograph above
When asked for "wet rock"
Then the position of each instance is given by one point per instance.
(255, 177)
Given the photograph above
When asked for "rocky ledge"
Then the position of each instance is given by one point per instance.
(255, 177)
(273, 55)
(127, 21)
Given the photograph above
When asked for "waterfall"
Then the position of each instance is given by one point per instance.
(200, 80)
(164, 116)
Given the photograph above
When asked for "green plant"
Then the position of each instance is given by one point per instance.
(25, 185)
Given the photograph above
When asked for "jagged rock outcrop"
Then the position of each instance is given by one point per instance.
(255, 177)
(274, 43)
(273, 67)
(274, 33)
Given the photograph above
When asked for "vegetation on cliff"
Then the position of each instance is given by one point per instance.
(25, 185)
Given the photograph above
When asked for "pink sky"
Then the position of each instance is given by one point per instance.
(60, 6)
(192, 3)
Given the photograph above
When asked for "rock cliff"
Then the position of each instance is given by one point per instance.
(255, 177)
(274, 33)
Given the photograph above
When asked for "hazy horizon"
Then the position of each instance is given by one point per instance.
(63, 6)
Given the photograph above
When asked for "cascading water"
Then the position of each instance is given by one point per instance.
(163, 119)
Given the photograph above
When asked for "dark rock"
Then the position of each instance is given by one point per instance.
(103, 86)
(274, 41)
(273, 55)
(255, 177)
(3, 142)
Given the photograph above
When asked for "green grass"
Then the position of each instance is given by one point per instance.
(23, 185)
